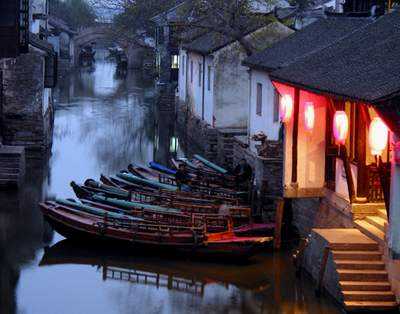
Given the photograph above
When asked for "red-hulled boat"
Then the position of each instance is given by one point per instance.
(78, 225)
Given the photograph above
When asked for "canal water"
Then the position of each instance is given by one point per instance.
(105, 120)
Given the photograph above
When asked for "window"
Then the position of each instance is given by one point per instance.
(191, 71)
(200, 72)
(209, 78)
(175, 62)
(259, 99)
(277, 99)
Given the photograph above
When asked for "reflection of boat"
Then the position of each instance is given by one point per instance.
(172, 273)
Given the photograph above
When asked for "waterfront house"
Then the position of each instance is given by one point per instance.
(168, 28)
(263, 145)
(340, 110)
(60, 35)
(213, 84)
(14, 28)
(28, 80)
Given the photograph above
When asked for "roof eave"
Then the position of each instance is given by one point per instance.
(320, 91)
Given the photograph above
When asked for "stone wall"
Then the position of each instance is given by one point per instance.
(24, 122)
(198, 136)
(308, 213)
(312, 264)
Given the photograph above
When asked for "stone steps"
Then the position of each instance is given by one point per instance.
(365, 285)
(357, 264)
(362, 275)
(370, 230)
(12, 166)
(369, 296)
(357, 255)
(363, 279)
(370, 305)
(382, 213)
(377, 222)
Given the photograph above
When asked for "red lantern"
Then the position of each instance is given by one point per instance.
(340, 127)
(309, 116)
(378, 136)
(286, 108)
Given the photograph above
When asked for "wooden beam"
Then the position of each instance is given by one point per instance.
(361, 151)
(295, 134)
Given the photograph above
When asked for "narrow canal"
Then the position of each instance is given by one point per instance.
(103, 122)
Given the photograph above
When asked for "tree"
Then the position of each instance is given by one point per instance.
(76, 13)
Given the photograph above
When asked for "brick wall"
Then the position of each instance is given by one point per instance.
(23, 120)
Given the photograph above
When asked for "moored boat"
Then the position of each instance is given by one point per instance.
(135, 233)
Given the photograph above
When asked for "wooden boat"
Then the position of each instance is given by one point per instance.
(206, 174)
(190, 196)
(211, 165)
(104, 193)
(162, 168)
(132, 234)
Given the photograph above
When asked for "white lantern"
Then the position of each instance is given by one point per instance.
(378, 136)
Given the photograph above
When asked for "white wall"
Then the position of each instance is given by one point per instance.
(182, 75)
(231, 88)
(265, 122)
(209, 100)
(194, 91)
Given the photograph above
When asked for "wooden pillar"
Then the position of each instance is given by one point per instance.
(361, 152)
(296, 104)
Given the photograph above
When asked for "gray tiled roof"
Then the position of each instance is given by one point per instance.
(365, 65)
(306, 41)
(213, 40)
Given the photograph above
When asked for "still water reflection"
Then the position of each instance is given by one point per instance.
(103, 122)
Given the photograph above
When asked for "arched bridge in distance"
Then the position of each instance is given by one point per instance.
(99, 34)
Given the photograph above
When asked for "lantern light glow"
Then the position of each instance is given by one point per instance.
(340, 127)
(378, 136)
(286, 108)
(309, 116)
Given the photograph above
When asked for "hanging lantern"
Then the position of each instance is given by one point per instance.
(309, 116)
(378, 136)
(340, 127)
(286, 108)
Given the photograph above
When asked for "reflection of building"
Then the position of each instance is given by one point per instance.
(165, 142)
(22, 233)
